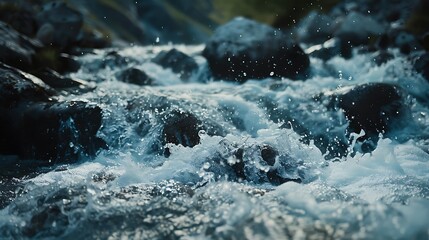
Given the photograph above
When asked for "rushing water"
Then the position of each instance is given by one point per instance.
(133, 190)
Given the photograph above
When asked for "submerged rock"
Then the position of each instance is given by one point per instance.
(135, 76)
(178, 62)
(181, 128)
(421, 65)
(374, 107)
(243, 49)
(263, 163)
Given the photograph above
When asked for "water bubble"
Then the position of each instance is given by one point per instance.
(206, 165)
(340, 75)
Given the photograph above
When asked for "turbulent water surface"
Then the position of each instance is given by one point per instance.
(140, 188)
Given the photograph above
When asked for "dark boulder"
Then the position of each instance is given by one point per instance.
(374, 107)
(358, 29)
(178, 62)
(114, 59)
(68, 63)
(268, 154)
(57, 81)
(34, 126)
(243, 49)
(15, 49)
(49, 131)
(421, 65)
(58, 132)
(316, 28)
(65, 22)
(181, 128)
(17, 87)
(134, 76)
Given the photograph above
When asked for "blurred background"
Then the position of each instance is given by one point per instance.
(192, 22)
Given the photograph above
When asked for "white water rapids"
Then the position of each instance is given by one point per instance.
(132, 191)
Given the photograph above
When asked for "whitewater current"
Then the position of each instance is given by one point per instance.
(133, 191)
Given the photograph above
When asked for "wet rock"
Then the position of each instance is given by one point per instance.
(421, 65)
(114, 59)
(66, 22)
(45, 219)
(45, 34)
(357, 29)
(374, 107)
(135, 76)
(181, 128)
(329, 49)
(17, 87)
(406, 42)
(68, 63)
(243, 49)
(382, 57)
(33, 126)
(268, 154)
(246, 166)
(425, 41)
(57, 81)
(315, 28)
(16, 49)
(178, 62)
(92, 40)
(54, 132)
(238, 166)
(383, 42)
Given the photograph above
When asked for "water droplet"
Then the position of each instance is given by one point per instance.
(157, 40)
(271, 74)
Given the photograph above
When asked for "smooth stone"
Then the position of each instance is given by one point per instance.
(244, 49)
(178, 62)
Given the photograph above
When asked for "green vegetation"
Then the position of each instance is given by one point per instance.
(279, 13)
